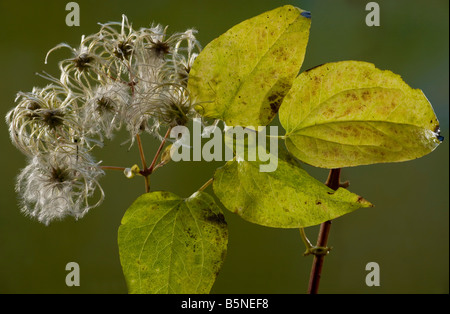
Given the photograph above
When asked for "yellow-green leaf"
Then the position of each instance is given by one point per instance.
(242, 76)
(172, 245)
(285, 198)
(350, 113)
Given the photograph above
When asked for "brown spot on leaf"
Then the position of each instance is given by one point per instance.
(275, 102)
(366, 95)
(352, 96)
(190, 234)
(367, 75)
(347, 128)
(276, 95)
(216, 218)
(330, 112)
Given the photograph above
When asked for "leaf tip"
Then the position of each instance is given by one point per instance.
(306, 14)
(365, 203)
(437, 133)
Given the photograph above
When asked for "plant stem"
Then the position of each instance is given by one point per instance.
(316, 270)
(147, 171)
(112, 168)
(306, 241)
(204, 186)
(158, 152)
(144, 163)
(147, 184)
(141, 151)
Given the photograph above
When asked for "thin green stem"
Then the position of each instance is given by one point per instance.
(204, 186)
(311, 249)
(305, 240)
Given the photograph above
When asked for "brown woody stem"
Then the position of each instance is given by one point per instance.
(144, 163)
(333, 182)
(147, 171)
(141, 151)
(163, 142)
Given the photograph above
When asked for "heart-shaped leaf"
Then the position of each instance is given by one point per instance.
(172, 245)
(350, 113)
(242, 76)
(285, 198)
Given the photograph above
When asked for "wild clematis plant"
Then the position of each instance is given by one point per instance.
(118, 76)
(336, 115)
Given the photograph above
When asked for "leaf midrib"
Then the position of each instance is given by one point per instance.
(297, 130)
(321, 102)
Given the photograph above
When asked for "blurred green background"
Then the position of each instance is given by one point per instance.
(407, 233)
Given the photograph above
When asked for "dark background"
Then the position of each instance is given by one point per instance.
(407, 233)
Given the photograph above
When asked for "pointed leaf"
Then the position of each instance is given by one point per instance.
(242, 76)
(350, 113)
(172, 245)
(285, 198)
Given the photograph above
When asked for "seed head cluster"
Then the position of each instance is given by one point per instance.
(117, 77)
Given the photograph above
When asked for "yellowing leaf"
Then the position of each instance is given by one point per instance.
(172, 245)
(350, 113)
(242, 76)
(286, 198)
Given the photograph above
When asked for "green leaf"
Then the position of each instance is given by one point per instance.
(285, 198)
(172, 245)
(242, 76)
(350, 113)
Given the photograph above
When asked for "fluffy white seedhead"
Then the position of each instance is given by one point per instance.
(103, 111)
(119, 76)
(59, 184)
(42, 120)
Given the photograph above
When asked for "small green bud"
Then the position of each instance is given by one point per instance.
(165, 156)
(131, 172)
(199, 109)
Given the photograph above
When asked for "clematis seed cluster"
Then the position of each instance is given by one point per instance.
(117, 77)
